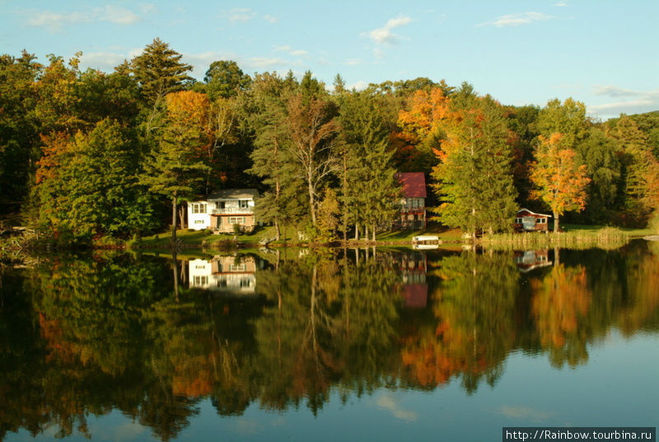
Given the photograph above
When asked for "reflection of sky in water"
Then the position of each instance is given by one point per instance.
(614, 388)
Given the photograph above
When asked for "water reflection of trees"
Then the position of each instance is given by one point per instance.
(86, 336)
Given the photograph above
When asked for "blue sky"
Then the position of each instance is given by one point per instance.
(602, 52)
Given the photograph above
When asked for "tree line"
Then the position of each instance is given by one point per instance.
(87, 154)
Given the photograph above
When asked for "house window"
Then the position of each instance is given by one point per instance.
(242, 204)
(245, 283)
(542, 220)
(237, 267)
(518, 220)
(199, 208)
(200, 280)
(199, 221)
(236, 220)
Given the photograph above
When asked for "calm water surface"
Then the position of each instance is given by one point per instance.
(368, 345)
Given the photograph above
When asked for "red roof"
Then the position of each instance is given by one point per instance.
(414, 184)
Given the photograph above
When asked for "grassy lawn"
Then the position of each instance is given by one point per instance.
(200, 239)
(407, 235)
(583, 228)
(196, 237)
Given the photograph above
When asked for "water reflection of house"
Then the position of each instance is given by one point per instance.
(413, 267)
(229, 274)
(532, 259)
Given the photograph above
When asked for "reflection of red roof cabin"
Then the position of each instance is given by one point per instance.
(414, 288)
(532, 259)
(413, 201)
(531, 222)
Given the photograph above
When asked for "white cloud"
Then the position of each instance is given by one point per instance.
(107, 60)
(115, 14)
(384, 34)
(358, 85)
(560, 4)
(103, 61)
(353, 61)
(270, 18)
(523, 18)
(614, 91)
(265, 62)
(148, 8)
(240, 15)
(387, 402)
(54, 21)
(527, 413)
(627, 101)
(289, 50)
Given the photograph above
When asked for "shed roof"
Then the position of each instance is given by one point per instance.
(414, 184)
(232, 194)
(533, 213)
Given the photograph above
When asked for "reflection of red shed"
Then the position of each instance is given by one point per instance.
(416, 295)
(531, 222)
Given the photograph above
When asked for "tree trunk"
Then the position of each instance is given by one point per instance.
(311, 200)
(175, 270)
(556, 222)
(181, 216)
(366, 232)
(345, 209)
(174, 202)
(373, 230)
(357, 232)
(277, 232)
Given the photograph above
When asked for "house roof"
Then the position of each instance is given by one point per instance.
(233, 194)
(414, 184)
(533, 213)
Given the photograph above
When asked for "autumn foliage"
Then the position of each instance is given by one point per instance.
(559, 178)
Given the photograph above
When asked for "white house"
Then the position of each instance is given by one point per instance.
(222, 210)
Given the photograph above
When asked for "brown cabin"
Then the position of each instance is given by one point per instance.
(528, 221)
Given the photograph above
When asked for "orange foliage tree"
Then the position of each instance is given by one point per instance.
(421, 127)
(560, 308)
(561, 181)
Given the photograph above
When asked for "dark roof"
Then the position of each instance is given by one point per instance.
(230, 194)
(414, 184)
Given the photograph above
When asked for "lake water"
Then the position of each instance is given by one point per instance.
(341, 345)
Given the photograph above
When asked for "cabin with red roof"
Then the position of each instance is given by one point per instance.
(528, 221)
(413, 201)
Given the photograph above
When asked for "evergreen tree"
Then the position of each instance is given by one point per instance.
(369, 190)
(159, 71)
(177, 168)
(475, 183)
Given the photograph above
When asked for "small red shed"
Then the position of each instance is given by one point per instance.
(528, 221)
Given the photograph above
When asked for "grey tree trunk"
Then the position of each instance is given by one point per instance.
(174, 202)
